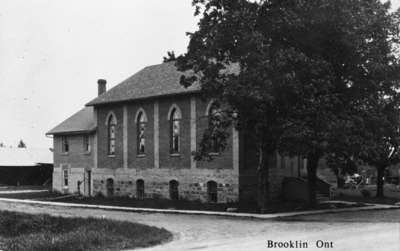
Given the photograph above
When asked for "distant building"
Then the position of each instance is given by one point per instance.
(25, 166)
(137, 138)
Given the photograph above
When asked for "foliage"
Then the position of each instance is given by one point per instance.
(382, 133)
(21, 144)
(365, 193)
(170, 57)
(20, 231)
(341, 165)
(304, 76)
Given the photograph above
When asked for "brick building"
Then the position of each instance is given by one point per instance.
(136, 140)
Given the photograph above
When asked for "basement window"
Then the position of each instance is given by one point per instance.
(140, 189)
(212, 191)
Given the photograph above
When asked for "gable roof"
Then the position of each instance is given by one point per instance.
(80, 122)
(152, 81)
(25, 156)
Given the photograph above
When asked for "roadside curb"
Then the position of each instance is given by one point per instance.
(209, 213)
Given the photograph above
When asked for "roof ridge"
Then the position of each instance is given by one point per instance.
(169, 62)
(151, 81)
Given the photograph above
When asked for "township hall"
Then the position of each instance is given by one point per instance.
(137, 139)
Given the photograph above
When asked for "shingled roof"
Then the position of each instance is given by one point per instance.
(80, 122)
(152, 81)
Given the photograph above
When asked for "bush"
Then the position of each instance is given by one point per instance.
(365, 193)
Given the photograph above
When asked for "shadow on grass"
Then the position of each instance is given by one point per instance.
(373, 199)
(20, 231)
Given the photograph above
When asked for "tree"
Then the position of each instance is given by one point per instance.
(170, 57)
(342, 165)
(297, 72)
(383, 133)
(21, 144)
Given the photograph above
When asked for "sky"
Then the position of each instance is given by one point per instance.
(53, 52)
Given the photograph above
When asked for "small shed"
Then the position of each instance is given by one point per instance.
(25, 166)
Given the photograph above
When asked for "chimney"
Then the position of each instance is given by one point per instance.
(101, 86)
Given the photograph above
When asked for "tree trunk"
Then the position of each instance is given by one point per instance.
(263, 196)
(379, 182)
(312, 165)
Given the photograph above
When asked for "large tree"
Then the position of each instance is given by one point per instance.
(382, 131)
(297, 72)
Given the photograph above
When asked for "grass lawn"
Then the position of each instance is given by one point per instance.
(391, 192)
(150, 203)
(385, 200)
(15, 188)
(274, 207)
(20, 231)
(27, 196)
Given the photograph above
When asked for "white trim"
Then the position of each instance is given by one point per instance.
(137, 114)
(111, 113)
(193, 143)
(173, 178)
(174, 106)
(156, 136)
(108, 176)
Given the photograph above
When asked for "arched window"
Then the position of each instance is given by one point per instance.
(141, 128)
(175, 127)
(174, 190)
(140, 189)
(214, 121)
(212, 191)
(111, 126)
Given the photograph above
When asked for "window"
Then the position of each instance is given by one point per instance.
(111, 134)
(140, 189)
(214, 121)
(212, 191)
(86, 144)
(141, 128)
(65, 177)
(64, 144)
(175, 127)
(174, 190)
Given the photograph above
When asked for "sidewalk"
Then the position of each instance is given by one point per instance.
(210, 213)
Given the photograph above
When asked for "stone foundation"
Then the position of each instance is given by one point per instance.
(192, 183)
